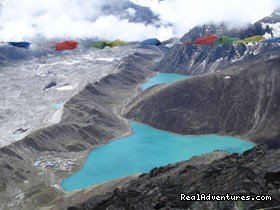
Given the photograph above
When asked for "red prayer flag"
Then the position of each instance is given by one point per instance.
(210, 39)
(66, 45)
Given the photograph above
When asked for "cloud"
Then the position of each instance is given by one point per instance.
(185, 14)
(26, 19)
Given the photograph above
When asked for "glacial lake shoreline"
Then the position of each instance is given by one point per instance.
(94, 170)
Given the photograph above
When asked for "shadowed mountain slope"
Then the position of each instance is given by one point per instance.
(243, 101)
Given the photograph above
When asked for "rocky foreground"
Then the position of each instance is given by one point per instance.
(247, 174)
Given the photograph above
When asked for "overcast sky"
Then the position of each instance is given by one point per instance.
(24, 19)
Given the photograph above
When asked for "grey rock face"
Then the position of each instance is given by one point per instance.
(141, 14)
(50, 85)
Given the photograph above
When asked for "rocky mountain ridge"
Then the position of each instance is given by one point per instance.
(196, 59)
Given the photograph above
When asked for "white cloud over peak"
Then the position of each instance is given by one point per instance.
(185, 14)
(25, 19)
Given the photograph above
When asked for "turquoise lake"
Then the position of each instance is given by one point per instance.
(163, 78)
(147, 148)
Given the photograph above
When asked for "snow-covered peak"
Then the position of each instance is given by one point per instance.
(273, 22)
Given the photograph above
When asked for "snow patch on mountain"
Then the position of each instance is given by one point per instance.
(275, 29)
(66, 87)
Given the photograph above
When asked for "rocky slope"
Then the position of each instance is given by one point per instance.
(191, 59)
(256, 172)
(242, 101)
(89, 119)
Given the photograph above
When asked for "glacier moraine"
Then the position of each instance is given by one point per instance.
(27, 104)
